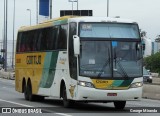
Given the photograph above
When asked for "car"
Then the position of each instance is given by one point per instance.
(147, 77)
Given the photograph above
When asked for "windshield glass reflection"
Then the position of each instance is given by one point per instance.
(106, 59)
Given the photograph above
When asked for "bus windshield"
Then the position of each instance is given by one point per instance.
(111, 30)
(108, 52)
(110, 59)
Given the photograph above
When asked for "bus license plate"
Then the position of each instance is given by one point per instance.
(111, 94)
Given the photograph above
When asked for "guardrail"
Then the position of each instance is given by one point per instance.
(151, 91)
(6, 75)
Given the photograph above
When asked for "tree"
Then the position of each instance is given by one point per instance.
(153, 62)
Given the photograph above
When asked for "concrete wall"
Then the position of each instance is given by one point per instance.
(151, 91)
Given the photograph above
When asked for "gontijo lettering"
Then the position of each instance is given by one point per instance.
(33, 59)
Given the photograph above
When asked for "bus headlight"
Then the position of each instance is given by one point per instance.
(85, 84)
(137, 84)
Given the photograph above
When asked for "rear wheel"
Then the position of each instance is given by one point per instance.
(31, 97)
(119, 104)
(25, 92)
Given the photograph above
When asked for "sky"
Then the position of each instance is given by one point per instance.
(145, 12)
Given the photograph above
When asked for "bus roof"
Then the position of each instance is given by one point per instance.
(65, 19)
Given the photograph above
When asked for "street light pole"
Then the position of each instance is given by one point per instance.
(77, 4)
(30, 15)
(13, 35)
(107, 8)
(6, 14)
(4, 32)
(37, 12)
(72, 4)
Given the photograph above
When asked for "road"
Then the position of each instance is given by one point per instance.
(11, 99)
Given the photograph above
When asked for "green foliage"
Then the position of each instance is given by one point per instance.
(153, 62)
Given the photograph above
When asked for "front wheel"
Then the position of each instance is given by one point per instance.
(66, 102)
(119, 104)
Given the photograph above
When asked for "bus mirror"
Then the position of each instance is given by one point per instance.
(76, 45)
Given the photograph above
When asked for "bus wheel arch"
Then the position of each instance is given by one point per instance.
(63, 94)
(61, 88)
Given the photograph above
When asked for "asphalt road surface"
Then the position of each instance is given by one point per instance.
(15, 102)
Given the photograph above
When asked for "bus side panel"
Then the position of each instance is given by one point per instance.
(26, 67)
(61, 73)
(48, 73)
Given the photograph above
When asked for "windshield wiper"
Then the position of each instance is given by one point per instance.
(105, 64)
(120, 65)
(122, 69)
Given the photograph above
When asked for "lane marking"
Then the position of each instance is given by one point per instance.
(62, 114)
(16, 103)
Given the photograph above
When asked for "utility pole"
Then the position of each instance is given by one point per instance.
(50, 9)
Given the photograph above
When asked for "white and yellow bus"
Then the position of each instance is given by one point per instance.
(80, 59)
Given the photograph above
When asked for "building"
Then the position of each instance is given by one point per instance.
(148, 46)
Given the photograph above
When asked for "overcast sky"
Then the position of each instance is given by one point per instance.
(145, 12)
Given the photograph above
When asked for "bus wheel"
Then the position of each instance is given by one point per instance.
(25, 92)
(66, 102)
(29, 92)
(119, 104)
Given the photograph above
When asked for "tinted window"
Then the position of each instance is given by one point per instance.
(72, 58)
(62, 39)
(51, 38)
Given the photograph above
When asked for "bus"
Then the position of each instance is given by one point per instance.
(80, 59)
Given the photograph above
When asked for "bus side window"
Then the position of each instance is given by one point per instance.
(44, 39)
(19, 42)
(39, 37)
(23, 42)
(34, 40)
(62, 39)
(53, 38)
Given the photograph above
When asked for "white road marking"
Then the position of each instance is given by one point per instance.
(63, 114)
(16, 103)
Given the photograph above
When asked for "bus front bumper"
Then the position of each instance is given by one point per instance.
(92, 94)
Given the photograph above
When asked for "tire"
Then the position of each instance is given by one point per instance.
(25, 92)
(150, 81)
(31, 97)
(119, 104)
(66, 102)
